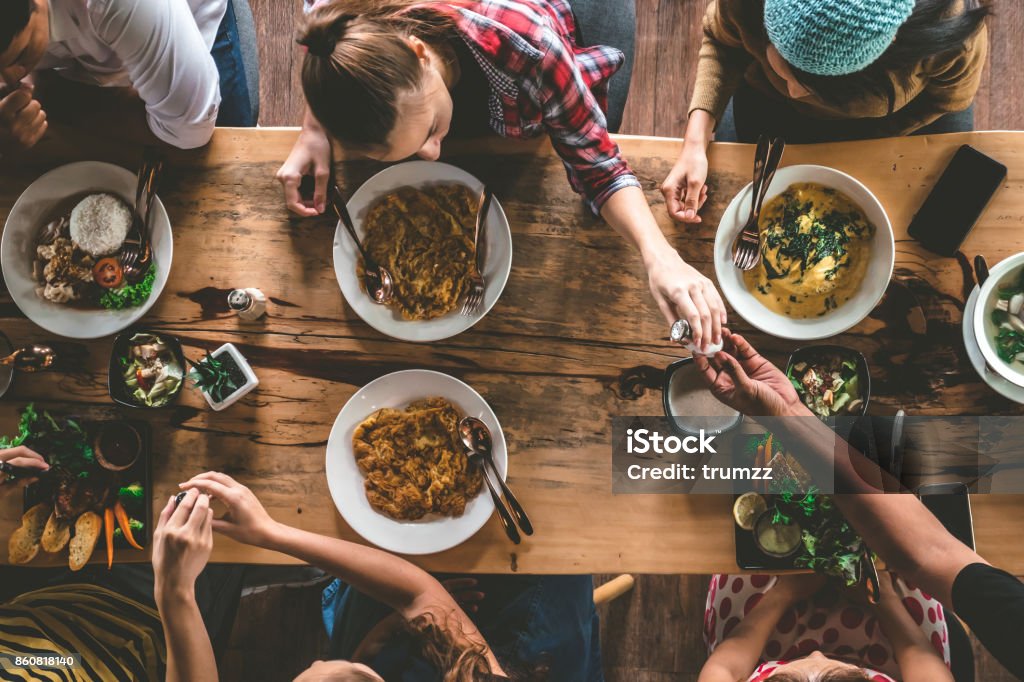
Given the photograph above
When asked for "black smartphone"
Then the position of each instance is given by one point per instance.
(956, 202)
(951, 505)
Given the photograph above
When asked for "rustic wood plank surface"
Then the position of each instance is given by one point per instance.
(573, 342)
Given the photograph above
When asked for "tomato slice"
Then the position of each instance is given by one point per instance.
(144, 383)
(108, 273)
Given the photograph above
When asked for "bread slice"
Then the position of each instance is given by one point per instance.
(24, 543)
(87, 534)
(56, 534)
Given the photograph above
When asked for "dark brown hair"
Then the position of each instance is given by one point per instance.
(458, 659)
(359, 65)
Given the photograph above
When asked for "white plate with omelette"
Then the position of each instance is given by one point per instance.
(414, 215)
(433, 532)
(827, 254)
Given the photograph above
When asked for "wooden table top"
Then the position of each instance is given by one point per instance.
(574, 340)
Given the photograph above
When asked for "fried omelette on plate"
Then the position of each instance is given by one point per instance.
(424, 238)
(414, 462)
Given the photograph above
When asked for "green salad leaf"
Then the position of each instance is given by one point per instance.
(63, 441)
(130, 296)
(28, 418)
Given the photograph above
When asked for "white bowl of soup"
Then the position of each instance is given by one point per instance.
(826, 254)
(999, 319)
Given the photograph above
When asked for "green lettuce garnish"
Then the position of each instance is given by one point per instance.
(130, 296)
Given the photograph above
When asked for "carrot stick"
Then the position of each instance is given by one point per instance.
(125, 523)
(759, 464)
(108, 527)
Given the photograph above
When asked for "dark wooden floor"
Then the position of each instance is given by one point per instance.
(653, 633)
(668, 38)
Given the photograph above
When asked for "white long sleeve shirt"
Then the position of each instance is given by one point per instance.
(161, 48)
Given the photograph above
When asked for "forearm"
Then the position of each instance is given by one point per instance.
(310, 124)
(917, 658)
(739, 654)
(629, 214)
(700, 128)
(189, 652)
(909, 546)
(387, 578)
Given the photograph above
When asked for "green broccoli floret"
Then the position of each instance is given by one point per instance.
(132, 492)
(134, 524)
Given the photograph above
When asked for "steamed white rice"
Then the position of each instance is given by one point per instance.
(100, 223)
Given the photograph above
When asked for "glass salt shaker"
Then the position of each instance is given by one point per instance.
(682, 334)
(250, 304)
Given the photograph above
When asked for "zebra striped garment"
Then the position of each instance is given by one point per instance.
(116, 637)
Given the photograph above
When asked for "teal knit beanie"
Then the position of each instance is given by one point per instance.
(833, 37)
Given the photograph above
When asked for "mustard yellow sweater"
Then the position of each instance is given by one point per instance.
(735, 47)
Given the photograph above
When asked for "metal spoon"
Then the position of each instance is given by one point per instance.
(377, 280)
(31, 358)
(477, 439)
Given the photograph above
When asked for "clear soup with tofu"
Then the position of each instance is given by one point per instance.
(815, 245)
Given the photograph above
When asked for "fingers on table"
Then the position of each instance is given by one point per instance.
(291, 182)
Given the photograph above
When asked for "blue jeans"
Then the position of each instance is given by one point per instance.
(528, 621)
(235, 105)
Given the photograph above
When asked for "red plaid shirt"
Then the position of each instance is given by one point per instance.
(541, 81)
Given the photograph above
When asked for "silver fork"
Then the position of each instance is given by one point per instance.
(475, 295)
(136, 254)
(766, 162)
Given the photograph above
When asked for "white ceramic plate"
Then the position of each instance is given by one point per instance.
(876, 279)
(430, 534)
(17, 249)
(387, 320)
(977, 358)
(1005, 271)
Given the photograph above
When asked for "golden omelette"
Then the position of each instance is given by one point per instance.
(815, 245)
(424, 238)
(414, 461)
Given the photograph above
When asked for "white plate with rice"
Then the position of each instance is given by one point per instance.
(18, 247)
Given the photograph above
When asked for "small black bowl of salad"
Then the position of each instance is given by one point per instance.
(832, 381)
(147, 369)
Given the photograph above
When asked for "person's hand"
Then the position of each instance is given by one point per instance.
(799, 586)
(685, 188)
(246, 520)
(681, 292)
(887, 590)
(182, 544)
(311, 155)
(743, 379)
(465, 593)
(22, 119)
(22, 456)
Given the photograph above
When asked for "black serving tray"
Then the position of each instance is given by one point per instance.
(749, 556)
(141, 471)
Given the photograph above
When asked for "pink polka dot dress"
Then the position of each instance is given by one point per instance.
(828, 623)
